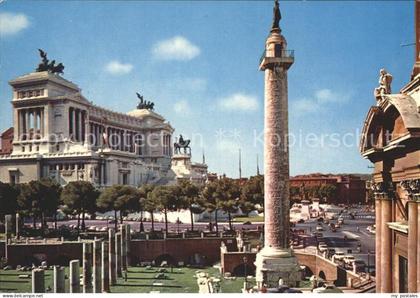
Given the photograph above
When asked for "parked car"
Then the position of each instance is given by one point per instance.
(301, 221)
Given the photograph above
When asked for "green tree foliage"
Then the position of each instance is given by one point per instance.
(122, 198)
(146, 203)
(8, 199)
(167, 199)
(252, 193)
(190, 199)
(80, 196)
(39, 199)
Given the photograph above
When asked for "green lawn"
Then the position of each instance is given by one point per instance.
(140, 280)
(251, 219)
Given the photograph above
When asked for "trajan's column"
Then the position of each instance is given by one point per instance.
(275, 262)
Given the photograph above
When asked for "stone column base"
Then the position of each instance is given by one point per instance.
(275, 263)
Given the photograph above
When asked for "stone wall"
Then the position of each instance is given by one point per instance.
(179, 250)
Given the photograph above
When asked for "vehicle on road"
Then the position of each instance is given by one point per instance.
(319, 228)
(371, 229)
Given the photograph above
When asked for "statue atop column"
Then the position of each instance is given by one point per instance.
(385, 80)
(276, 15)
(46, 65)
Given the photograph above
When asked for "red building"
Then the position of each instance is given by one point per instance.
(6, 139)
(350, 189)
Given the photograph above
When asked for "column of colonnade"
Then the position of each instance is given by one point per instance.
(386, 244)
(30, 121)
(77, 124)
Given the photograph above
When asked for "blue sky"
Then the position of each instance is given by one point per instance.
(198, 61)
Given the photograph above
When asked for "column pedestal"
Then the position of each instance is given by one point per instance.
(275, 264)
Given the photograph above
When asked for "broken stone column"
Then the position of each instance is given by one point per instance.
(118, 259)
(105, 268)
(38, 282)
(97, 249)
(59, 279)
(87, 267)
(127, 245)
(112, 256)
(74, 276)
(124, 247)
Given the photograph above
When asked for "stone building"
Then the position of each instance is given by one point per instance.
(58, 133)
(350, 189)
(391, 140)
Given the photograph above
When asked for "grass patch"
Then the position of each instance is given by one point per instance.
(140, 280)
(251, 219)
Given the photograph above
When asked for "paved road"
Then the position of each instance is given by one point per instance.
(353, 229)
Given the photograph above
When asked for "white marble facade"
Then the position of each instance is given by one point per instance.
(60, 134)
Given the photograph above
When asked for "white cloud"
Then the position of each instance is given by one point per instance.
(175, 48)
(12, 23)
(320, 99)
(182, 107)
(239, 102)
(117, 68)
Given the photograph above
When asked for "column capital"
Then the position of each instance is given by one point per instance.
(412, 187)
(383, 190)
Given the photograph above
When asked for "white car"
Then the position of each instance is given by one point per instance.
(371, 229)
(319, 228)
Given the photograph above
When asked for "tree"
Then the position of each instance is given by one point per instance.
(80, 196)
(211, 202)
(39, 198)
(191, 199)
(8, 199)
(167, 199)
(122, 198)
(228, 192)
(252, 193)
(51, 200)
(146, 203)
(327, 192)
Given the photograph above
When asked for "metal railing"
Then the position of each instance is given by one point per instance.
(279, 54)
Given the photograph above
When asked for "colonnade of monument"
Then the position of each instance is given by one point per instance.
(31, 122)
(102, 263)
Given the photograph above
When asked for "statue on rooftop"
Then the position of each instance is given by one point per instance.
(144, 104)
(276, 16)
(385, 80)
(46, 65)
